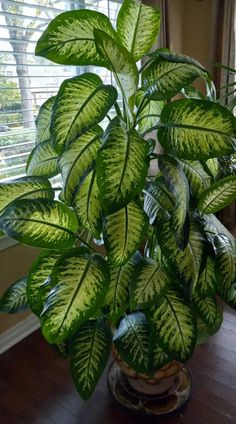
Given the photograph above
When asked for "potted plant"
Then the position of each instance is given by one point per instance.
(166, 258)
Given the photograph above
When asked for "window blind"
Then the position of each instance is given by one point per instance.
(26, 81)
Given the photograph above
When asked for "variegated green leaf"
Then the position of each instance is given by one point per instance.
(124, 231)
(87, 205)
(90, 349)
(175, 326)
(40, 222)
(229, 296)
(121, 63)
(149, 284)
(212, 227)
(156, 197)
(79, 284)
(131, 340)
(43, 160)
(150, 114)
(225, 263)
(77, 160)
(167, 73)
(218, 195)
(122, 166)
(24, 188)
(158, 357)
(197, 177)
(206, 284)
(81, 103)
(137, 27)
(203, 331)
(14, 299)
(117, 294)
(197, 129)
(39, 284)
(69, 38)
(212, 167)
(43, 121)
(207, 309)
(178, 185)
(185, 263)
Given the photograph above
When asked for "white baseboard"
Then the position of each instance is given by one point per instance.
(18, 332)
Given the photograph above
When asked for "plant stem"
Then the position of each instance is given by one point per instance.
(85, 242)
(151, 115)
(152, 128)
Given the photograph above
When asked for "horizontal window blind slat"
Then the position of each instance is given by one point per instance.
(27, 143)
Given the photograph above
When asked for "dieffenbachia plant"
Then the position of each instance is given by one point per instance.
(166, 257)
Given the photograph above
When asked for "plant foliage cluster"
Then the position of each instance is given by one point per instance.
(166, 256)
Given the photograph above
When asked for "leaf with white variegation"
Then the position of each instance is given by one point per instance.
(150, 114)
(218, 195)
(122, 166)
(117, 294)
(212, 167)
(43, 160)
(131, 340)
(123, 233)
(77, 160)
(43, 121)
(156, 197)
(40, 222)
(206, 285)
(174, 324)
(81, 103)
(197, 177)
(225, 263)
(39, 284)
(177, 184)
(69, 38)
(14, 299)
(149, 284)
(79, 283)
(167, 73)
(87, 205)
(197, 129)
(25, 188)
(137, 27)
(158, 357)
(206, 308)
(90, 349)
(121, 63)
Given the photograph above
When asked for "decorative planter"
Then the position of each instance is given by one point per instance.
(164, 392)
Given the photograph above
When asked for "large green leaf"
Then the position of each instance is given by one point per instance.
(117, 294)
(39, 284)
(158, 357)
(177, 184)
(175, 327)
(26, 188)
(156, 197)
(137, 27)
(197, 177)
(167, 73)
(150, 114)
(149, 284)
(212, 167)
(218, 195)
(79, 284)
(77, 160)
(87, 204)
(44, 223)
(43, 160)
(229, 296)
(43, 121)
(225, 263)
(185, 263)
(206, 284)
(122, 166)
(124, 231)
(121, 63)
(69, 38)
(90, 349)
(14, 299)
(207, 309)
(197, 129)
(82, 102)
(131, 340)
(212, 227)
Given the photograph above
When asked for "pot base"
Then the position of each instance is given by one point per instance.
(156, 404)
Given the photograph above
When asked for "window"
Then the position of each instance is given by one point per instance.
(27, 81)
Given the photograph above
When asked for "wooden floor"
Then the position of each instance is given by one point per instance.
(35, 387)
